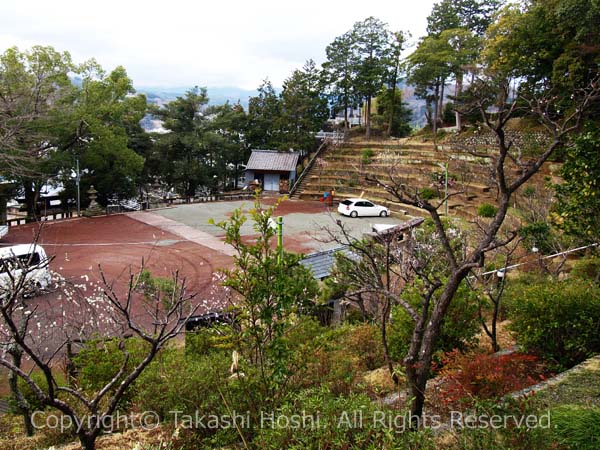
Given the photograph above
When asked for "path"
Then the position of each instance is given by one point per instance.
(184, 231)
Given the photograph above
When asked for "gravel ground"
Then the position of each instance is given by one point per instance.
(305, 222)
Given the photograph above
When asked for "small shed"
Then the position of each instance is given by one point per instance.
(321, 265)
(273, 170)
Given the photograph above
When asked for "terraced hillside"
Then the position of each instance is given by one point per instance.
(348, 167)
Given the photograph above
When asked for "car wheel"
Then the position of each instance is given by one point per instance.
(353, 214)
(383, 214)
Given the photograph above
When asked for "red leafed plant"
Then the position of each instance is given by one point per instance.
(484, 376)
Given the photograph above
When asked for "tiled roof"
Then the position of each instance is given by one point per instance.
(322, 263)
(272, 160)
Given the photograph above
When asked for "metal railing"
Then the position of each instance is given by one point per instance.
(333, 135)
(310, 164)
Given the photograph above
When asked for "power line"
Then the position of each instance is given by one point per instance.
(504, 269)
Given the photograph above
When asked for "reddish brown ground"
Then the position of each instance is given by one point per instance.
(118, 244)
(291, 206)
(301, 206)
(79, 246)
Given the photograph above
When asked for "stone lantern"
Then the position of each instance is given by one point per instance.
(94, 209)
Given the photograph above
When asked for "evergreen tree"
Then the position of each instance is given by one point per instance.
(303, 108)
(184, 160)
(339, 75)
(264, 112)
(371, 44)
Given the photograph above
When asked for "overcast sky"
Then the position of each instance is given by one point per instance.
(215, 43)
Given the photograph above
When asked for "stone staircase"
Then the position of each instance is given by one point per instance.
(348, 169)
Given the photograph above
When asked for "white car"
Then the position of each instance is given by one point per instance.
(28, 258)
(359, 207)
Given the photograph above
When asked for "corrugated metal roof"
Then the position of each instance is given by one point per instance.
(322, 263)
(272, 160)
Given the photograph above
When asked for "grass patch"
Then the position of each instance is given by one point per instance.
(580, 387)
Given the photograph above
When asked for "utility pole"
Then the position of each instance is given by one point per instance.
(280, 239)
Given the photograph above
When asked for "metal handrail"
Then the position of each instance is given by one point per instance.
(310, 164)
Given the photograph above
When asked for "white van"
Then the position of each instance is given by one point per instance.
(13, 261)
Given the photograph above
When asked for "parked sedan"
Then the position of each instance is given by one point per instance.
(355, 207)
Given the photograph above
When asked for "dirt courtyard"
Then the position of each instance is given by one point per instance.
(117, 244)
(168, 240)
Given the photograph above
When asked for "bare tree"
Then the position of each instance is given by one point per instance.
(489, 287)
(374, 270)
(484, 96)
(377, 269)
(44, 334)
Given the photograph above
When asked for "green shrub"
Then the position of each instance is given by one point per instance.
(427, 193)
(512, 436)
(587, 268)
(100, 360)
(458, 329)
(324, 356)
(353, 181)
(329, 422)
(157, 287)
(367, 154)
(186, 384)
(537, 234)
(364, 341)
(486, 210)
(175, 382)
(205, 340)
(39, 379)
(513, 289)
(559, 320)
(529, 191)
(576, 427)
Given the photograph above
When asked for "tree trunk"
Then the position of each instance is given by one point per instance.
(393, 102)
(434, 121)
(459, 86)
(440, 109)
(417, 388)
(436, 109)
(31, 197)
(23, 406)
(418, 361)
(346, 122)
(88, 441)
(494, 335)
(368, 119)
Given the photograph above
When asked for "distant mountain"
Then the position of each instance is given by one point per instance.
(161, 95)
(216, 95)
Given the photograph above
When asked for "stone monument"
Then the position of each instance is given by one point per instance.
(94, 209)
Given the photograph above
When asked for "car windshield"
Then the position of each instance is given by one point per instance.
(19, 262)
(346, 202)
